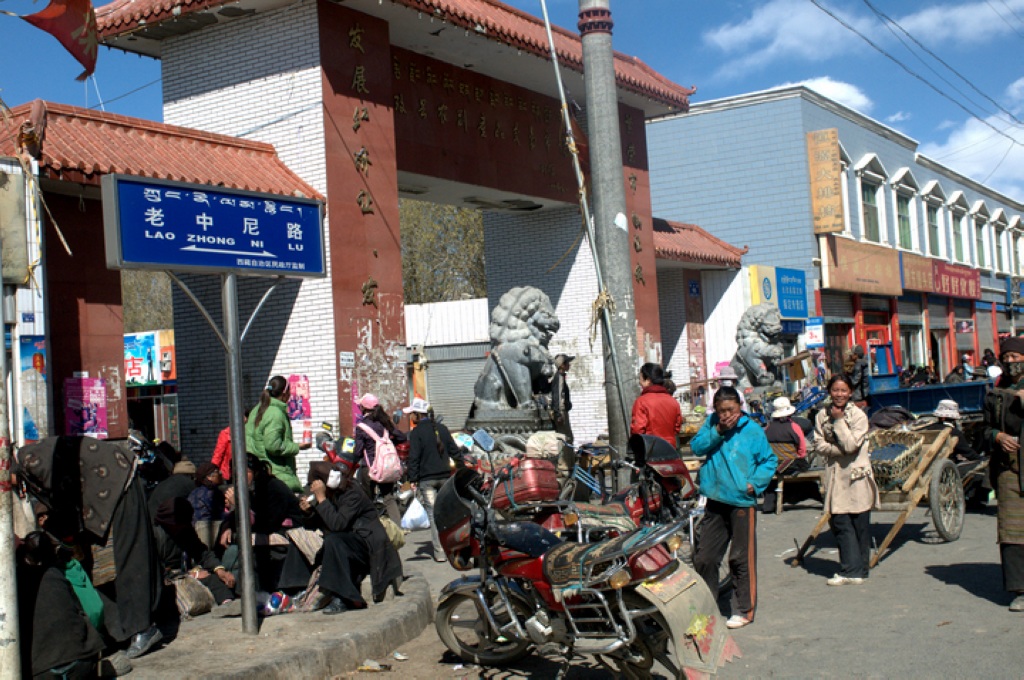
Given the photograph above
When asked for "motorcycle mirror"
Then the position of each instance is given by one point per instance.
(483, 440)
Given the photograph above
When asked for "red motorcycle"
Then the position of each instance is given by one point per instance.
(626, 600)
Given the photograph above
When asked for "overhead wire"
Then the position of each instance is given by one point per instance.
(910, 71)
(939, 59)
(1000, 15)
(1010, 10)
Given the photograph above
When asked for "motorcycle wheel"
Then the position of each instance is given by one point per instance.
(654, 643)
(465, 632)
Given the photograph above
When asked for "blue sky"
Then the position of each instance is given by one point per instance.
(724, 47)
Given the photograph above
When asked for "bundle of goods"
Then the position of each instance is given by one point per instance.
(893, 454)
(534, 479)
(692, 422)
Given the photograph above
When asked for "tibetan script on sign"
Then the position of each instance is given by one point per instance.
(826, 186)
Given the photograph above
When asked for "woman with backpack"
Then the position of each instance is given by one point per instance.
(375, 425)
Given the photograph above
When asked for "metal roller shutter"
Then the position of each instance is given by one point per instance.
(451, 375)
(910, 313)
(937, 316)
(983, 326)
(874, 304)
(837, 305)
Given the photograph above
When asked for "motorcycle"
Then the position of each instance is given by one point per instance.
(627, 600)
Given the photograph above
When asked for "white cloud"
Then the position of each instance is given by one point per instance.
(1015, 93)
(777, 30)
(963, 24)
(977, 151)
(898, 117)
(844, 93)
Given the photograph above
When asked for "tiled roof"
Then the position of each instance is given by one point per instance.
(82, 145)
(491, 18)
(690, 243)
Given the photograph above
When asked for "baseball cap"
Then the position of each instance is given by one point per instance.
(417, 406)
(368, 401)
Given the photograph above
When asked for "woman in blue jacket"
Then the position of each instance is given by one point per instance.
(739, 465)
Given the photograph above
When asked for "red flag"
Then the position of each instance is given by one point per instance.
(73, 23)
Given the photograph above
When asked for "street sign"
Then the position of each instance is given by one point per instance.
(175, 226)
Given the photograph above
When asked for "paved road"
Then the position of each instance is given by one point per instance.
(930, 609)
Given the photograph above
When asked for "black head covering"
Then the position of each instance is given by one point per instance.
(319, 470)
(1011, 345)
(174, 514)
(203, 471)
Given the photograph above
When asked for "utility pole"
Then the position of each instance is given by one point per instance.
(610, 224)
(10, 651)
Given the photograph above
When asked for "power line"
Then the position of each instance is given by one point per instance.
(1005, 156)
(1010, 10)
(129, 92)
(1000, 15)
(941, 61)
(910, 72)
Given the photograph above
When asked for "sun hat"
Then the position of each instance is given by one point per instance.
(368, 401)
(947, 408)
(728, 373)
(782, 408)
(417, 406)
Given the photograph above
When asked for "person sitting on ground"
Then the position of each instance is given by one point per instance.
(790, 447)
(179, 485)
(275, 510)
(207, 502)
(355, 542)
(268, 433)
(948, 414)
(956, 376)
(655, 411)
(57, 638)
(375, 418)
(178, 548)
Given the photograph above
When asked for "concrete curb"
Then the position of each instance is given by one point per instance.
(295, 645)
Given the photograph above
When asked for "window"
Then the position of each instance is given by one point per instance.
(1000, 264)
(906, 238)
(1015, 254)
(958, 237)
(933, 230)
(979, 241)
(869, 201)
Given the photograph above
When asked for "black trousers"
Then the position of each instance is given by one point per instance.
(346, 563)
(1012, 556)
(853, 535)
(723, 523)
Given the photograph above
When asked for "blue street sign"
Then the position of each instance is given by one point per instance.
(155, 224)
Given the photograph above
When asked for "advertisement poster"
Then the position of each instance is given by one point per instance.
(32, 353)
(299, 407)
(141, 357)
(168, 358)
(85, 407)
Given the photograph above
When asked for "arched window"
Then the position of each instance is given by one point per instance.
(871, 177)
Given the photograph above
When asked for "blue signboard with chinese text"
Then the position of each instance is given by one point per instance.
(155, 224)
(791, 292)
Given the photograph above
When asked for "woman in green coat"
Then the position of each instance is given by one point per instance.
(268, 433)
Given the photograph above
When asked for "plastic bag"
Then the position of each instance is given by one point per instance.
(415, 516)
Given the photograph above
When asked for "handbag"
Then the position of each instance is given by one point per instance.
(191, 596)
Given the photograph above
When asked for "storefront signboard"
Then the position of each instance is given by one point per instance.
(826, 170)
(918, 273)
(956, 281)
(762, 285)
(791, 292)
(861, 268)
(815, 332)
(965, 325)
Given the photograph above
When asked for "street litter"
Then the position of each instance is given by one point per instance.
(371, 666)
(400, 657)
(786, 552)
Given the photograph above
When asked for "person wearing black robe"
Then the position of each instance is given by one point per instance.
(180, 549)
(57, 639)
(355, 543)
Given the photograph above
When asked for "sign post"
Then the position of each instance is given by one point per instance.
(180, 227)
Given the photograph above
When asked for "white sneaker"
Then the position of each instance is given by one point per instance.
(838, 580)
(737, 621)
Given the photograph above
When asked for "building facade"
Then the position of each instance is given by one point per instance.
(896, 247)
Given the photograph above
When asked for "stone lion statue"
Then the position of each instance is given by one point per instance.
(758, 348)
(521, 327)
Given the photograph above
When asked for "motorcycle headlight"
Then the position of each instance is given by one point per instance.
(674, 542)
(619, 579)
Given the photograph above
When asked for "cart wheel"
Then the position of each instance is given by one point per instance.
(946, 499)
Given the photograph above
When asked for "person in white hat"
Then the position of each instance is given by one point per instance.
(431, 450)
(727, 378)
(789, 444)
(948, 413)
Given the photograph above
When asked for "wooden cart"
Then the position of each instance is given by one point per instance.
(934, 477)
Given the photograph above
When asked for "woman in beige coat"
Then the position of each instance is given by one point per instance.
(850, 491)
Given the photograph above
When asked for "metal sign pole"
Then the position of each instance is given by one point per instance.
(10, 651)
(233, 346)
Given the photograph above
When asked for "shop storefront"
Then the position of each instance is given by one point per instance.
(940, 295)
(151, 375)
(787, 290)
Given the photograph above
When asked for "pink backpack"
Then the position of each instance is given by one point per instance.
(387, 466)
